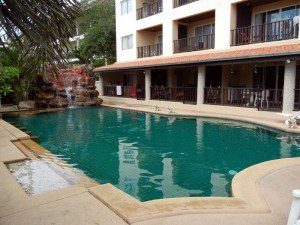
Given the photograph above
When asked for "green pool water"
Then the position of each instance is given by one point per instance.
(153, 157)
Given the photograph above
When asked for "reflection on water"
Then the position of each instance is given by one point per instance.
(151, 156)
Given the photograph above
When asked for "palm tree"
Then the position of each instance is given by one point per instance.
(42, 27)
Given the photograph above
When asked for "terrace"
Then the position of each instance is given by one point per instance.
(195, 33)
(178, 3)
(254, 24)
(149, 9)
(150, 42)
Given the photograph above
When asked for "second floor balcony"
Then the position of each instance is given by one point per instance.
(149, 9)
(150, 50)
(178, 3)
(275, 31)
(191, 44)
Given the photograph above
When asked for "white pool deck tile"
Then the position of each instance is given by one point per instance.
(76, 205)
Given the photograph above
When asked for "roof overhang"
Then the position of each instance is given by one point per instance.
(210, 57)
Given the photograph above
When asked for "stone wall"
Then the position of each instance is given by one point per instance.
(73, 86)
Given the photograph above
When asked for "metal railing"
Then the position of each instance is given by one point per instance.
(198, 43)
(297, 100)
(175, 94)
(124, 91)
(150, 50)
(280, 30)
(264, 99)
(149, 10)
(178, 3)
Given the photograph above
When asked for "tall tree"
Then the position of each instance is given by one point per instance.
(97, 23)
(39, 26)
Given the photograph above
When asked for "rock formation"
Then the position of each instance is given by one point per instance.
(69, 87)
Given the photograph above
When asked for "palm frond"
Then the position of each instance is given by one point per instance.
(42, 27)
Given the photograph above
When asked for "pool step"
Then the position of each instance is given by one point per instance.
(35, 138)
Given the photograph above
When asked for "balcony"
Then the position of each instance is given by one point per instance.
(124, 91)
(174, 94)
(265, 99)
(150, 50)
(149, 10)
(178, 3)
(198, 43)
(275, 31)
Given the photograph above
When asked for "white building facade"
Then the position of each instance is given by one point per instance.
(231, 52)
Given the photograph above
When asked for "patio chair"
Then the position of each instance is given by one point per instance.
(156, 93)
(164, 94)
(262, 98)
(213, 95)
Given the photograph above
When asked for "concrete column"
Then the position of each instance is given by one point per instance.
(201, 84)
(298, 31)
(170, 78)
(223, 24)
(289, 86)
(147, 84)
(168, 28)
(99, 85)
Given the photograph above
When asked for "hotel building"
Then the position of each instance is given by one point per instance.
(243, 53)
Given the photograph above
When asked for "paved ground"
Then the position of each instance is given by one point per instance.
(78, 204)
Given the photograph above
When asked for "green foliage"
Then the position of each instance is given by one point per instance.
(13, 62)
(98, 26)
(98, 63)
(7, 77)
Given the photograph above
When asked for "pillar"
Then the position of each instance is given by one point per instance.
(223, 22)
(99, 85)
(299, 30)
(168, 28)
(170, 78)
(147, 84)
(289, 86)
(201, 84)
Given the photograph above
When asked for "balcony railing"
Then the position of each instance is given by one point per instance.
(244, 97)
(178, 3)
(149, 10)
(150, 50)
(275, 31)
(297, 100)
(194, 43)
(124, 91)
(175, 94)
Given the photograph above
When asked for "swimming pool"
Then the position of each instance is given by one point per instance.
(152, 157)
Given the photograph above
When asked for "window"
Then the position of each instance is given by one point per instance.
(159, 38)
(277, 15)
(205, 30)
(127, 42)
(279, 24)
(126, 7)
(288, 13)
